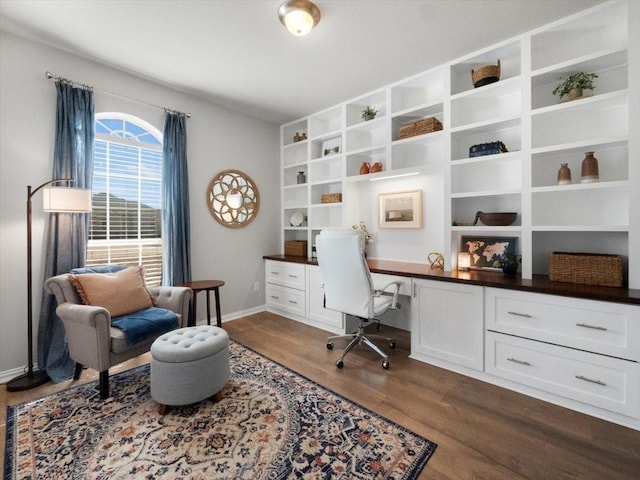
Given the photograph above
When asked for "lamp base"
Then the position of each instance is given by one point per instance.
(26, 381)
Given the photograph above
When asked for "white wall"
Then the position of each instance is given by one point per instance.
(218, 139)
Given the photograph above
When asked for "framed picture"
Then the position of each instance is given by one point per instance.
(486, 251)
(332, 146)
(400, 209)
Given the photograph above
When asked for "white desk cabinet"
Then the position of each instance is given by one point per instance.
(447, 324)
(578, 350)
(316, 313)
(285, 288)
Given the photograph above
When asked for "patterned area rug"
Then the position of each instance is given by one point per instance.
(271, 423)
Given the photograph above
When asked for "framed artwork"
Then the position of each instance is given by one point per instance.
(400, 209)
(332, 146)
(486, 252)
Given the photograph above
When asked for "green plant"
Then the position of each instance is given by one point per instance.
(369, 113)
(575, 80)
(509, 262)
(368, 238)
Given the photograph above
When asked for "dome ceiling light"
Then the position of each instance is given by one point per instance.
(299, 16)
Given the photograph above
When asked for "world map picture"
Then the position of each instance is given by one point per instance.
(486, 252)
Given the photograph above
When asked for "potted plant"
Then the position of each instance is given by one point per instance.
(369, 113)
(576, 85)
(509, 262)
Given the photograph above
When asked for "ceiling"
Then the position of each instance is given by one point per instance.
(237, 54)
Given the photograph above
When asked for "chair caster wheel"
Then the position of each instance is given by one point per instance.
(329, 346)
(392, 344)
(339, 364)
(385, 364)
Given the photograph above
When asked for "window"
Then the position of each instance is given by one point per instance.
(126, 222)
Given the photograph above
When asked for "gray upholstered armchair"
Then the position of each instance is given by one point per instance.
(93, 341)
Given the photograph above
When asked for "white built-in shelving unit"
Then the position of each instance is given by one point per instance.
(520, 110)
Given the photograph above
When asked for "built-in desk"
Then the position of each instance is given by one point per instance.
(574, 345)
(537, 284)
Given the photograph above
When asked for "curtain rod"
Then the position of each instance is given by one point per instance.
(51, 76)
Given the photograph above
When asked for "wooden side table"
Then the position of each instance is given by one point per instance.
(205, 285)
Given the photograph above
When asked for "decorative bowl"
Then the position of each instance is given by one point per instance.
(496, 219)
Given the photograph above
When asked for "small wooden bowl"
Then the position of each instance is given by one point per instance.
(496, 219)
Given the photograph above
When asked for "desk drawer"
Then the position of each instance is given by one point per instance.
(600, 327)
(287, 299)
(597, 380)
(285, 273)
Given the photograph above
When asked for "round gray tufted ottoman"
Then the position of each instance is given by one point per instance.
(189, 365)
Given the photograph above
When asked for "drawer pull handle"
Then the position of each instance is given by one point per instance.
(293, 301)
(274, 297)
(597, 382)
(593, 327)
(275, 273)
(526, 315)
(293, 276)
(521, 362)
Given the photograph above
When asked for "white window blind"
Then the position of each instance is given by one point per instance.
(126, 222)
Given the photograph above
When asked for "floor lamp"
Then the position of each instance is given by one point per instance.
(56, 199)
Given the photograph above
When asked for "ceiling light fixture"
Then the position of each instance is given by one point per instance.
(299, 16)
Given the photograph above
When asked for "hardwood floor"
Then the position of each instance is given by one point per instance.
(482, 431)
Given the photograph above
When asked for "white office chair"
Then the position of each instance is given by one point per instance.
(348, 287)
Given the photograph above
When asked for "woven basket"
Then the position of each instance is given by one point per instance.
(331, 198)
(586, 268)
(428, 125)
(407, 130)
(485, 75)
(295, 248)
(420, 127)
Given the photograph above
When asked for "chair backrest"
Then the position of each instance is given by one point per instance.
(348, 286)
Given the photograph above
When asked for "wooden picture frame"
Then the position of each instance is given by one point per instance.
(333, 146)
(400, 209)
(485, 251)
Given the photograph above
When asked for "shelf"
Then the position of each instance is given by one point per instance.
(519, 110)
(604, 26)
(419, 92)
(580, 186)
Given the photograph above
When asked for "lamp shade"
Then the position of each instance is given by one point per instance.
(299, 16)
(66, 200)
(464, 261)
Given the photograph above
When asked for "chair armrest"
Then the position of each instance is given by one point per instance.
(88, 330)
(176, 299)
(395, 286)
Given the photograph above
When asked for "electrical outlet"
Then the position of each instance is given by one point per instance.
(256, 287)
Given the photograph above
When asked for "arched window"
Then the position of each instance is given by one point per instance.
(126, 224)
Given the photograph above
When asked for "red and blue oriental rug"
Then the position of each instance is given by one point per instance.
(271, 423)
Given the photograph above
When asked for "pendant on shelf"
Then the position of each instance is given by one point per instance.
(564, 174)
(590, 172)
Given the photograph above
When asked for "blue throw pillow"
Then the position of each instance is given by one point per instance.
(112, 268)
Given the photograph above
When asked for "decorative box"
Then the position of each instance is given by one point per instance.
(586, 268)
(487, 149)
(331, 198)
(295, 248)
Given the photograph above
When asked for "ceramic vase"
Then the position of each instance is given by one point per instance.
(365, 168)
(589, 172)
(301, 178)
(564, 174)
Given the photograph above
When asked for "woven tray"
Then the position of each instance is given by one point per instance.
(295, 248)
(586, 268)
(331, 198)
